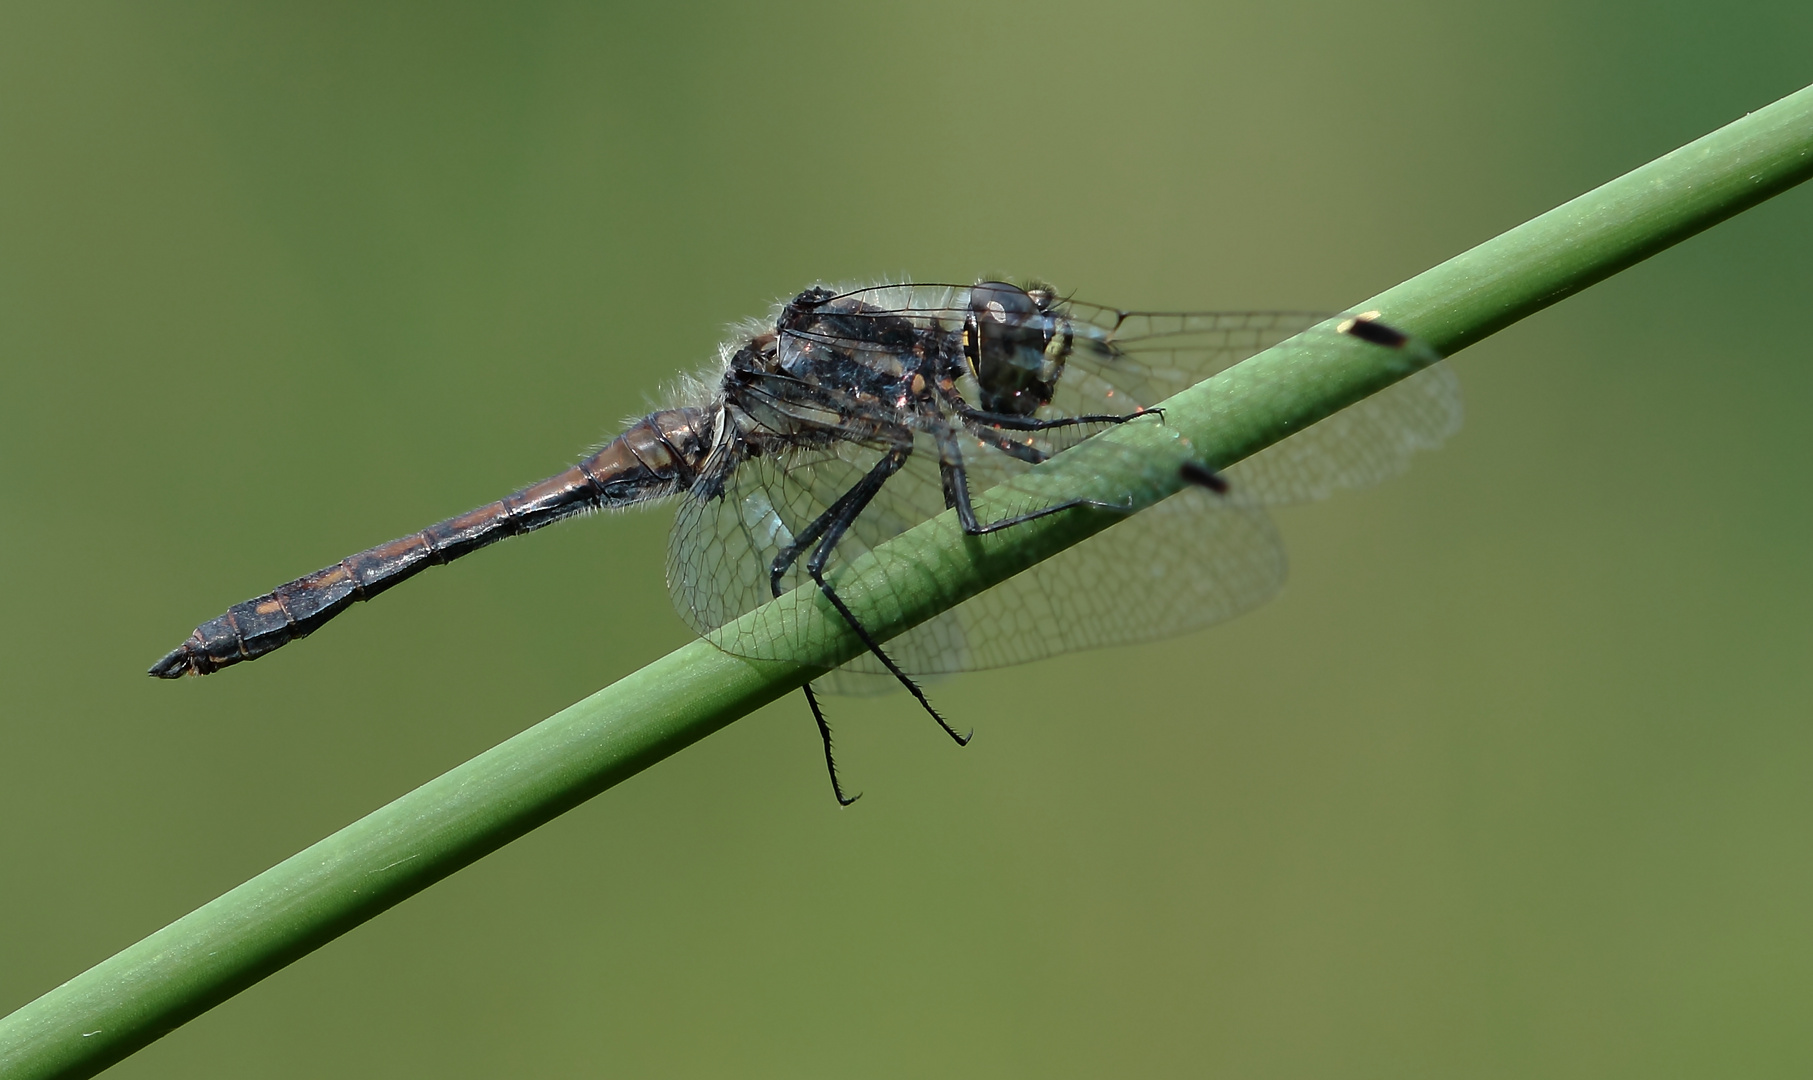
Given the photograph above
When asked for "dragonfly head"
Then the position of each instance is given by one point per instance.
(1015, 345)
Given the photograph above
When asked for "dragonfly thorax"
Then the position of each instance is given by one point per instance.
(836, 363)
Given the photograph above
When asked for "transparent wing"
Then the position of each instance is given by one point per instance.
(1135, 354)
(1192, 560)
(1122, 361)
(1145, 356)
(727, 536)
(1363, 444)
(724, 544)
(1119, 361)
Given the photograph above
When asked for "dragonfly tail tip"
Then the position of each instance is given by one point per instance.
(175, 664)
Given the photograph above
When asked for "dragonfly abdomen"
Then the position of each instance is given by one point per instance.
(659, 455)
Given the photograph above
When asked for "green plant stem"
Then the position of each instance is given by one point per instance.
(152, 987)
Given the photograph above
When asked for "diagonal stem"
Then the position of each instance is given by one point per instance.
(152, 987)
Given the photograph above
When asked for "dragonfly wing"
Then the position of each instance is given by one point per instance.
(1146, 357)
(727, 535)
(1363, 444)
(724, 543)
(1192, 560)
(1120, 360)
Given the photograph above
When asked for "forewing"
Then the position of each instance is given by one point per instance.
(1148, 356)
(1123, 360)
(1367, 442)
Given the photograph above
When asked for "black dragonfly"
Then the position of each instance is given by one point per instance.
(853, 415)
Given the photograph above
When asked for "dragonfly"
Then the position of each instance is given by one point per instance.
(851, 415)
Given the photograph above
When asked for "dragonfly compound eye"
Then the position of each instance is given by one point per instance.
(1001, 304)
(1008, 337)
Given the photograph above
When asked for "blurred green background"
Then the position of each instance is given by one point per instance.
(1513, 779)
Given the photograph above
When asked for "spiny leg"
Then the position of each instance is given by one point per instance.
(782, 562)
(955, 478)
(787, 557)
(845, 508)
(1013, 448)
(990, 427)
(1010, 422)
(824, 733)
(841, 515)
(811, 533)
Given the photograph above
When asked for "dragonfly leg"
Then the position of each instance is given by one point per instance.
(1010, 422)
(807, 537)
(1055, 508)
(956, 496)
(989, 427)
(824, 733)
(810, 535)
(836, 521)
(992, 428)
(955, 479)
(1025, 451)
(782, 562)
